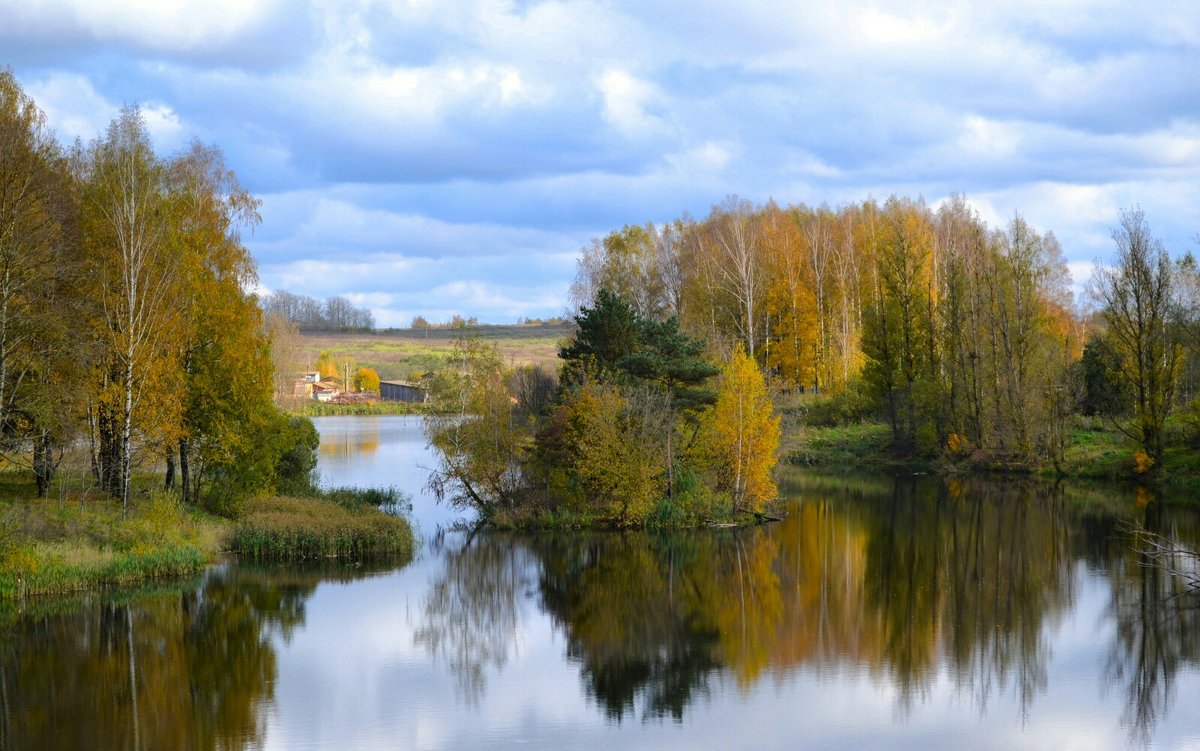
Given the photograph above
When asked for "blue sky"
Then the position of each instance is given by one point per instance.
(440, 158)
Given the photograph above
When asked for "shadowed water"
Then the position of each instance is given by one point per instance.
(881, 613)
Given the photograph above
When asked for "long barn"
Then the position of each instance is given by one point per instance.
(399, 391)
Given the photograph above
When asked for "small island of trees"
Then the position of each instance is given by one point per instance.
(639, 429)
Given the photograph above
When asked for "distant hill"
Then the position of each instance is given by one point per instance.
(403, 354)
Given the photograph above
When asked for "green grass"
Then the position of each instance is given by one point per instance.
(848, 448)
(293, 529)
(1097, 450)
(406, 354)
(70, 545)
(48, 547)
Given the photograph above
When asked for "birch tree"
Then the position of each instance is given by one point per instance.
(135, 275)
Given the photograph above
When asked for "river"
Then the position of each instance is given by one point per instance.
(909, 614)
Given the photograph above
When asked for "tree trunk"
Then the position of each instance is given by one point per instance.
(184, 470)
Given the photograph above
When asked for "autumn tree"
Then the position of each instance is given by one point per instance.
(287, 356)
(896, 325)
(673, 362)
(136, 276)
(42, 342)
(366, 379)
(613, 452)
(745, 433)
(1136, 296)
(627, 263)
(738, 272)
(327, 365)
(478, 441)
(224, 353)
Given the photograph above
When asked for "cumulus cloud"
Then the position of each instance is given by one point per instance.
(456, 156)
(72, 105)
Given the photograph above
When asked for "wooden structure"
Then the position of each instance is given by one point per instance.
(401, 391)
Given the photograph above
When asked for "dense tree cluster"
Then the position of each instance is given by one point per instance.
(964, 337)
(125, 320)
(633, 433)
(310, 314)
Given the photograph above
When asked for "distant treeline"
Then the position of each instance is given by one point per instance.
(310, 314)
(963, 337)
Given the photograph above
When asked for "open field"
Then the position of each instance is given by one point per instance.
(404, 354)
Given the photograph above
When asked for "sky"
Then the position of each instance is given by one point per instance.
(441, 158)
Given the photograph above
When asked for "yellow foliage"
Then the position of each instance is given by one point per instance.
(1142, 462)
(326, 365)
(366, 379)
(745, 433)
(956, 445)
(616, 472)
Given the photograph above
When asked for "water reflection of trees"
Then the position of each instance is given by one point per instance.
(1156, 615)
(362, 441)
(909, 581)
(473, 610)
(190, 667)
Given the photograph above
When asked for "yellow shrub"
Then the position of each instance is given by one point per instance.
(1142, 462)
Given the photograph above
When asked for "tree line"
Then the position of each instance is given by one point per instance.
(127, 324)
(310, 314)
(965, 338)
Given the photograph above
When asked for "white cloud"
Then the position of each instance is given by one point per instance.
(188, 24)
(72, 105)
(989, 138)
(165, 128)
(708, 157)
(895, 29)
(625, 103)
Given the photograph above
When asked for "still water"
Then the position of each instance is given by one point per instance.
(911, 614)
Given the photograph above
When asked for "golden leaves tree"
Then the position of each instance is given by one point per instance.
(745, 433)
(366, 379)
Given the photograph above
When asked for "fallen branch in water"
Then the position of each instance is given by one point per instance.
(1169, 556)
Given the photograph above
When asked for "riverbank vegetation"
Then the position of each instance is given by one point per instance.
(73, 544)
(293, 529)
(134, 353)
(53, 547)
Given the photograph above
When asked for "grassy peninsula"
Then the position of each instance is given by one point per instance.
(76, 543)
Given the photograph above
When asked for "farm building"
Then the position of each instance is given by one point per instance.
(399, 391)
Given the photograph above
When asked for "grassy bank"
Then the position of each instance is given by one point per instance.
(67, 545)
(293, 529)
(1097, 450)
(50, 547)
(863, 446)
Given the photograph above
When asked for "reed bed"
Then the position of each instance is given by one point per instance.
(296, 529)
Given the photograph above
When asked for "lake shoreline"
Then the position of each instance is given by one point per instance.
(1095, 453)
(50, 547)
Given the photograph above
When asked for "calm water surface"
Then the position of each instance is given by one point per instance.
(881, 614)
